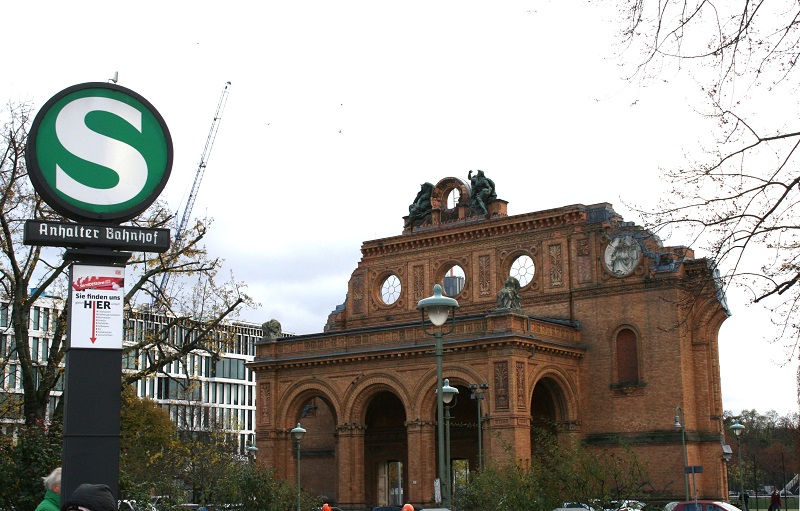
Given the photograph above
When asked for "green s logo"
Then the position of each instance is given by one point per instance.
(99, 151)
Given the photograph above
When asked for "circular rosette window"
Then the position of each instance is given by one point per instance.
(522, 269)
(391, 289)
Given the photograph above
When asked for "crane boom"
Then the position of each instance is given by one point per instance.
(201, 167)
(198, 178)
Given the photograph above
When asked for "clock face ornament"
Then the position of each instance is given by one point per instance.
(622, 256)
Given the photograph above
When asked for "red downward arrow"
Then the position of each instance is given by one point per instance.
(94, 321)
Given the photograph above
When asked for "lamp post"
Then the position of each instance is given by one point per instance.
(297, 434)
(439, 308)
(737, 430)
(680, 424)
(478, 393)
(449, 399)
(251, 453)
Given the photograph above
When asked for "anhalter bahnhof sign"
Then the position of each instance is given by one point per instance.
(83, 235)
(96, 152)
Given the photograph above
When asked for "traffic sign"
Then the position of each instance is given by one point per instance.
(99, 151)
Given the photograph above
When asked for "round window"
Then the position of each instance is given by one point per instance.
(522, 269)
(390, 289)
(453, 281)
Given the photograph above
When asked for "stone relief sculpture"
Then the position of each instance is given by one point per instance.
(483, 191)
(508, 297)
(622, 256)
(271, 330)
(421, 207)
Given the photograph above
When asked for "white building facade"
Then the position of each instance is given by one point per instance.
(200, 391)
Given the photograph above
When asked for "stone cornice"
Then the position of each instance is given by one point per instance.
(423, 348)
(648, 437)
(466, 231)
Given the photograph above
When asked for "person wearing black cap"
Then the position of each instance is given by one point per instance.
(90, 497)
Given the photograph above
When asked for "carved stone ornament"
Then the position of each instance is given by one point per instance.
(622, 256)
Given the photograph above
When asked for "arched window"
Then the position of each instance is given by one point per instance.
(627, 357)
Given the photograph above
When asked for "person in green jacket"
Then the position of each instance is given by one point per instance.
(52, 495)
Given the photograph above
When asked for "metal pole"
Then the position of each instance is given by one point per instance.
(440, 418)
(480, 435)
(741, 481)
(755, 479)
(298, 474)
(680, 420)
(685, 459)
(448, 466)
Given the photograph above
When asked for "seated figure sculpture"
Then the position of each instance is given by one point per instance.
(421, 207)
(271, 330)
(508, 297)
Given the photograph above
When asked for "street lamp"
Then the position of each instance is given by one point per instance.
(680, 421)
(737, 430)
(297, 434)
(439, 308)
(251, 453)
(449, 398)
(478, 396)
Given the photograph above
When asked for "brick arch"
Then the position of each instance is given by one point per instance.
(563, 389)
(300, 392)
(356, 400)
(709, 318)
(426, 388)
(447, 184)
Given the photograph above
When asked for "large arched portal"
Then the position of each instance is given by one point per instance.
(385, 451)
(548, 409)
(318, 448)
(463, 426)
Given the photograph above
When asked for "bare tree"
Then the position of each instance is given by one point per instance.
(196, 299)
(739, 197)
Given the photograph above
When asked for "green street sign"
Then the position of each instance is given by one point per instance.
(99, 151)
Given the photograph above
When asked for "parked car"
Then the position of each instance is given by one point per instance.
(625, 505)
(573, 506)
(705, 505)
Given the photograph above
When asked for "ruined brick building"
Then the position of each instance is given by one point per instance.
(608, 334)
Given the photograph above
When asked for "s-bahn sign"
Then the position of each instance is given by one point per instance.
(99, 151)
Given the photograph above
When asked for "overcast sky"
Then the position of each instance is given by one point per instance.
(338, 111)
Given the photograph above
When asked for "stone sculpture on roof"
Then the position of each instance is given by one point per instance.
(483, 191)
(508, 297)
(421, 207)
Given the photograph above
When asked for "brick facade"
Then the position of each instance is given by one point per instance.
(364, 389)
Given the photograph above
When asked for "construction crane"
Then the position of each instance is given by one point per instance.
(198, 178)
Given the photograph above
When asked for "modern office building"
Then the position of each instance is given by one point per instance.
(604, 336)
(199, 391)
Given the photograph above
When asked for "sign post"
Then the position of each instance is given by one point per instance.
(99, 154)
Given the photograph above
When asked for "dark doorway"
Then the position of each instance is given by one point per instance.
(385, 450)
